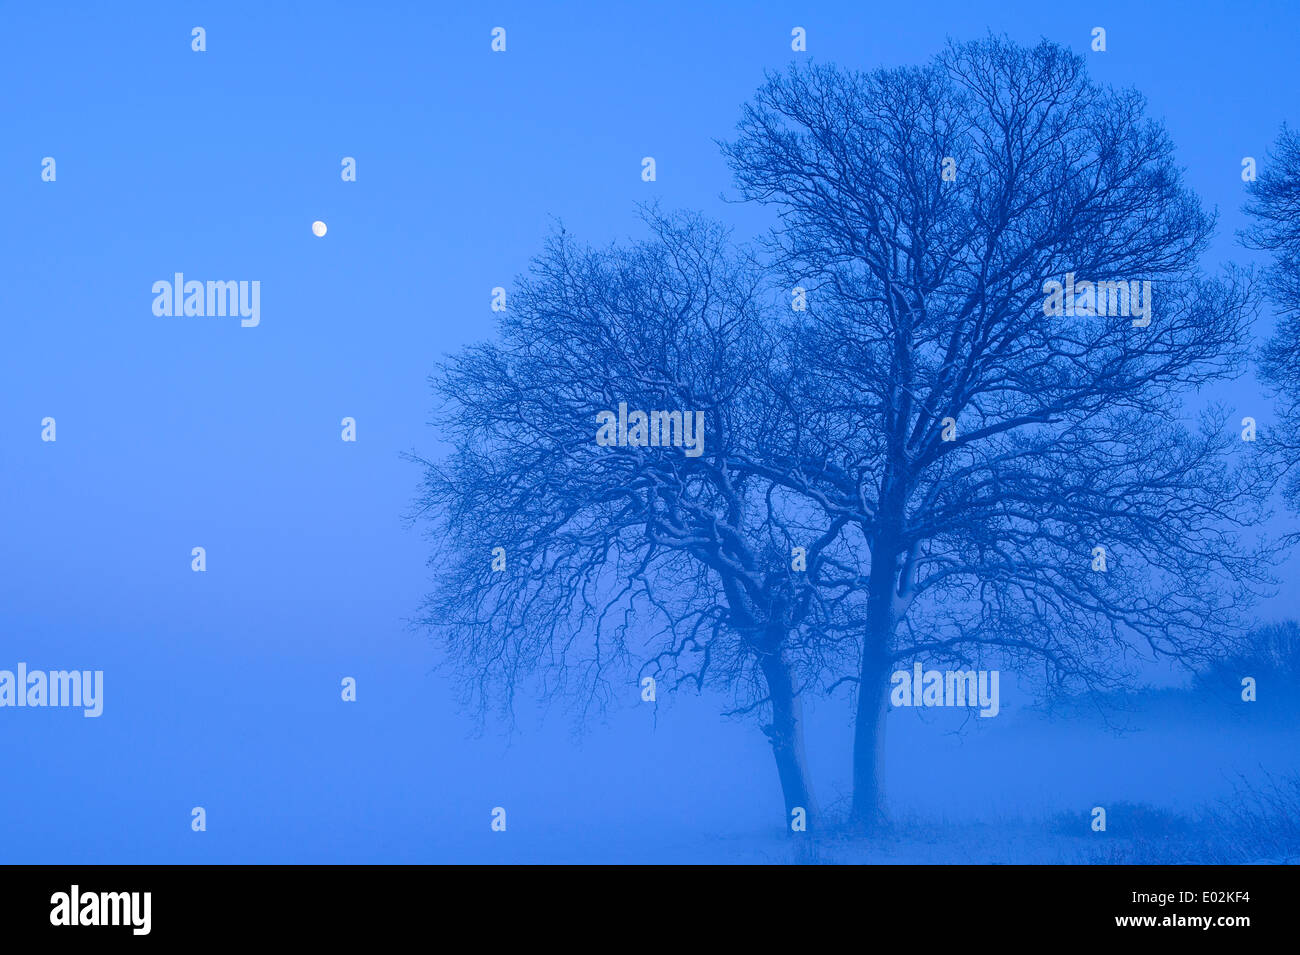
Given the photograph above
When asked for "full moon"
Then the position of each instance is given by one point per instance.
(318, 228)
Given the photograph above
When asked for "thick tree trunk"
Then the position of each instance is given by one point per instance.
(869, 811)
(785, 733)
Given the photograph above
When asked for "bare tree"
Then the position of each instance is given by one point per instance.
(1275, 205)
(661, 561)
(985, 450)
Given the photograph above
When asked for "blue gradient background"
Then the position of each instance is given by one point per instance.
(222, 689)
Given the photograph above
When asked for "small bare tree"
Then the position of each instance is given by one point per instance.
(653, 560)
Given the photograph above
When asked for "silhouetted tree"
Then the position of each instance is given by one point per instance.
(654, 560)
(926, 209)
(1275, 204)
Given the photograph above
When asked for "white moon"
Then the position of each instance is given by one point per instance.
(318, 228)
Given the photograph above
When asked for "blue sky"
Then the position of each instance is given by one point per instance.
(222, 687)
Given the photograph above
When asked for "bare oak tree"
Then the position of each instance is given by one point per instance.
(628, 559)
(986, 451)
(1275, 205)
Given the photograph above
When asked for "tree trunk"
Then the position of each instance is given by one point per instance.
(869, 812)
(785, 733)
